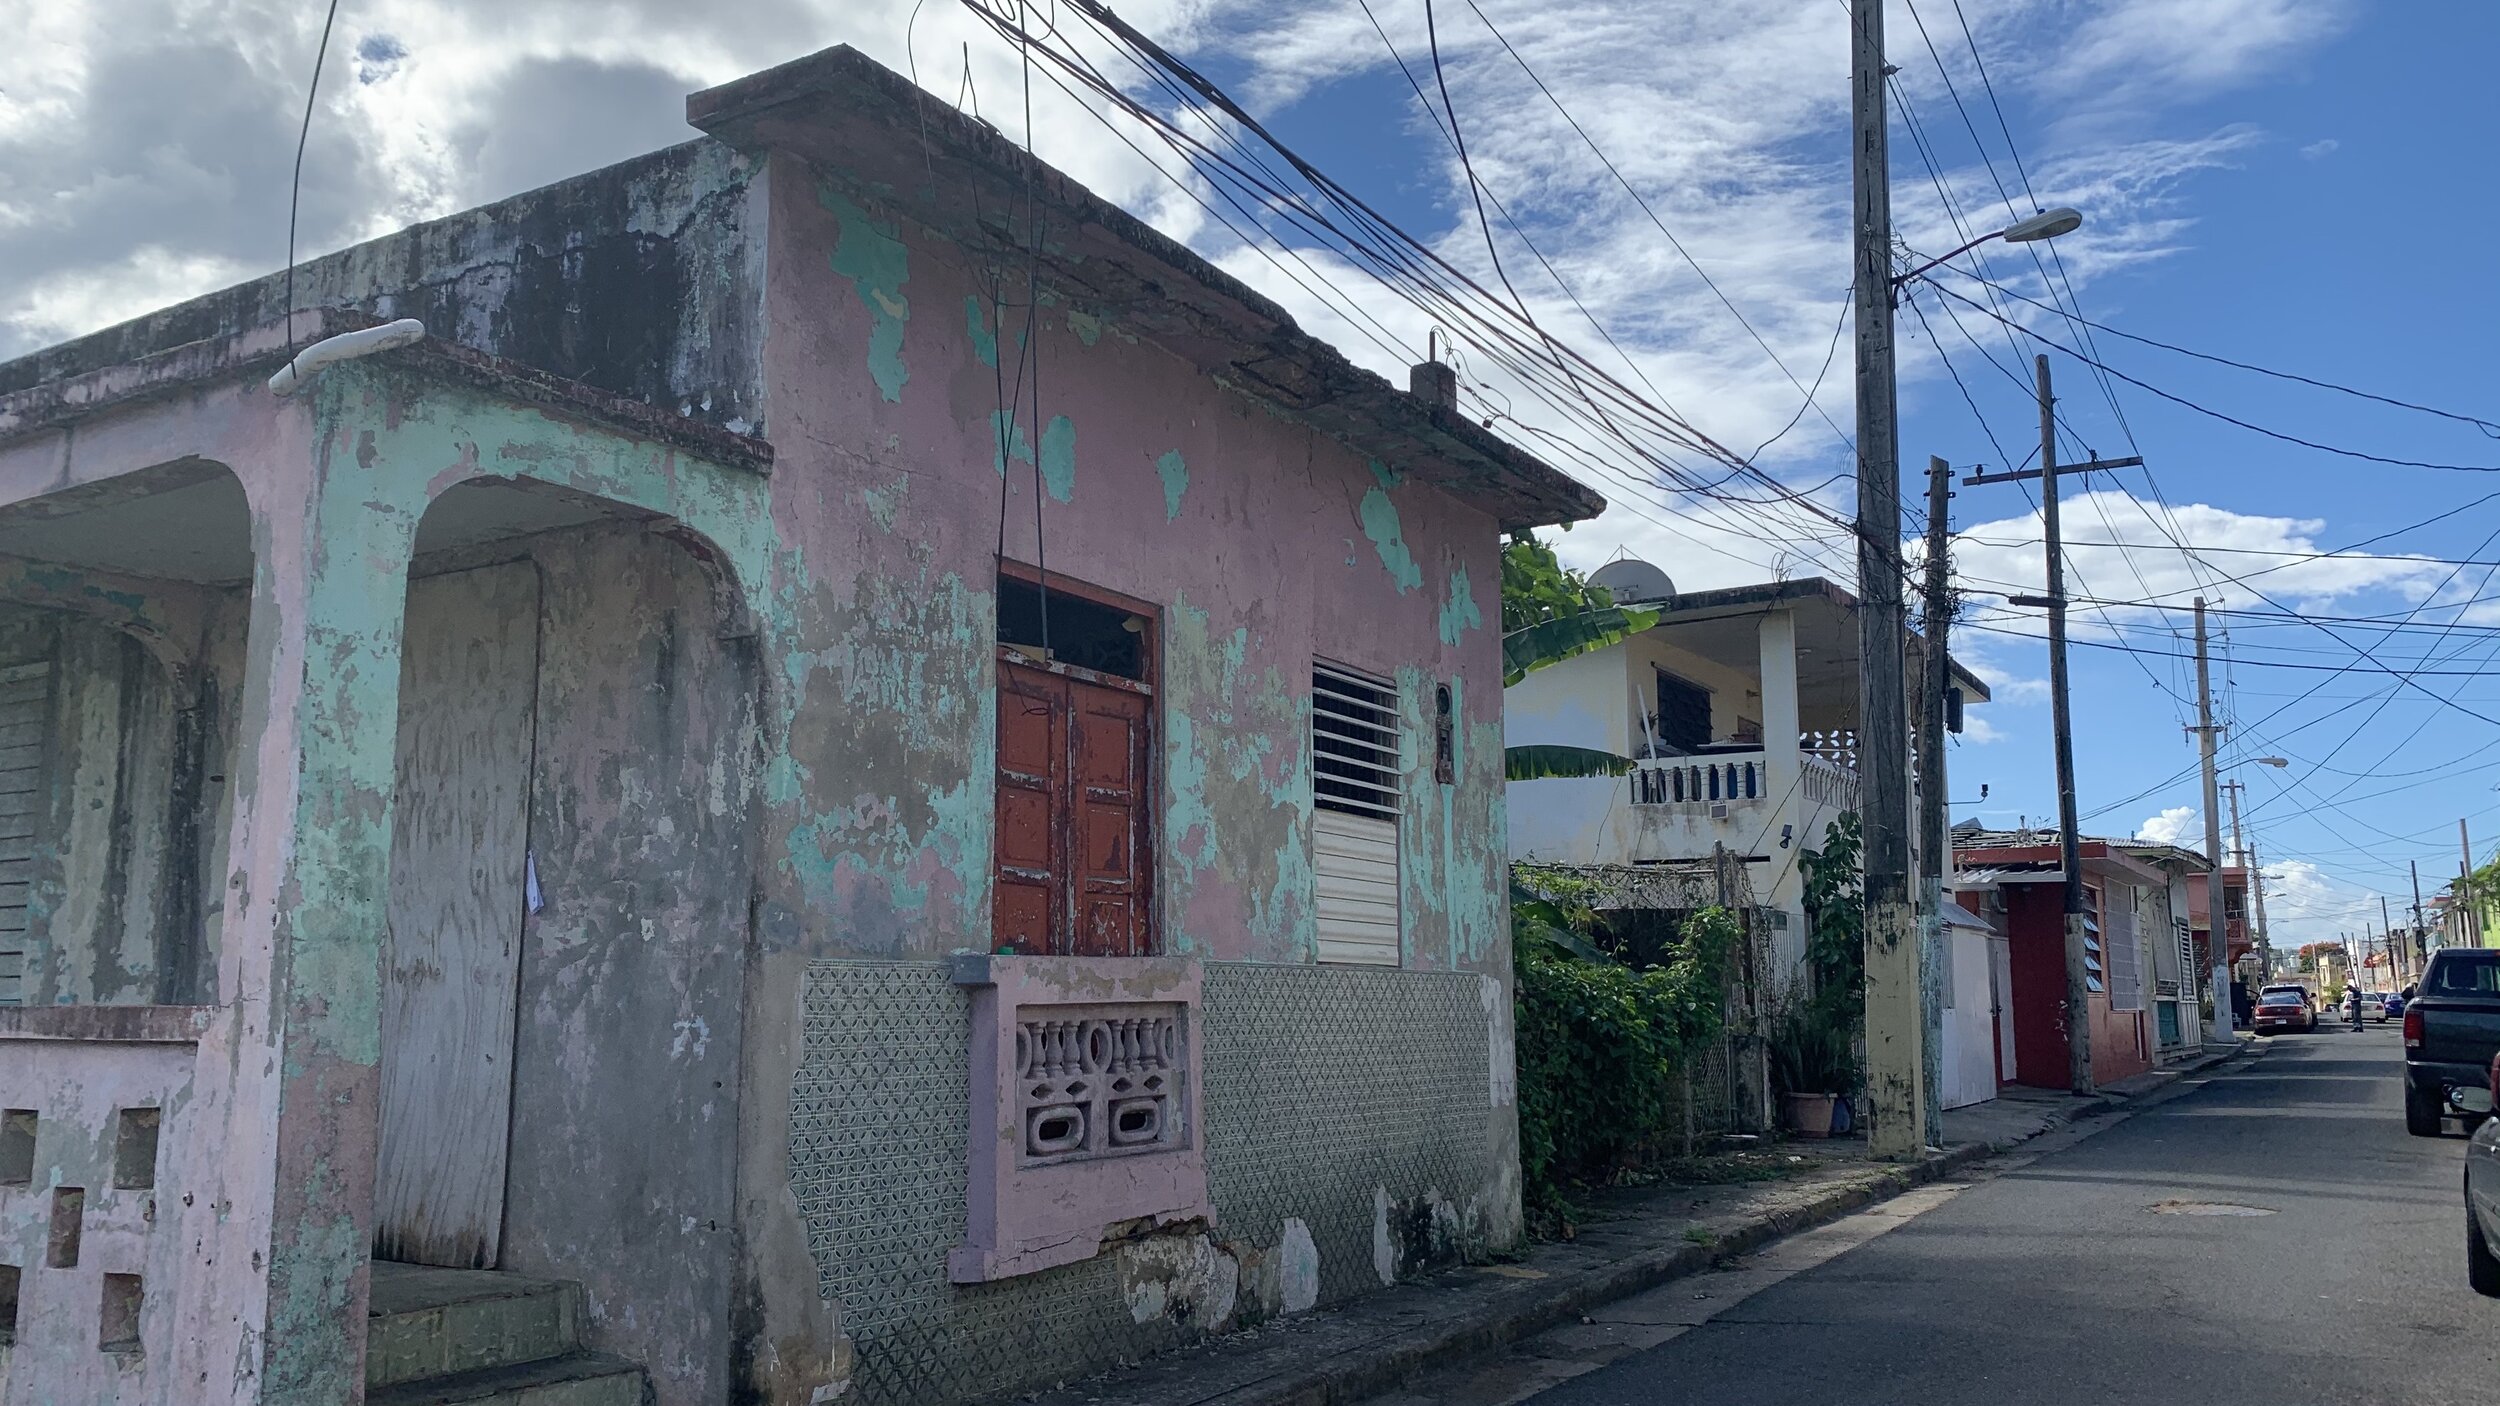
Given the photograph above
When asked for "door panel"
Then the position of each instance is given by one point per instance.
(1072, 862)
(459, 850)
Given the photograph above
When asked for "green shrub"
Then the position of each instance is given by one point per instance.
(1600, 1046)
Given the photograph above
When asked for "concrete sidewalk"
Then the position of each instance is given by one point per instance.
(1633, 1238)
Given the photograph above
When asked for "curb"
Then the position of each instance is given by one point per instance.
(1385, 1363)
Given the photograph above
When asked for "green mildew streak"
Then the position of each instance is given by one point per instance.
(1086, 326)
(1459, 613)
(1007, 441)
(877, 265)
(984, 341)
(1380, 522)
(1175, 473)
(1059, 457)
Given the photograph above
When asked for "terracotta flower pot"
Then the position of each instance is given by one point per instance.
(1810, 1115)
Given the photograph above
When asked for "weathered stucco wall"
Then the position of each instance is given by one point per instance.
(1261, 543)
(114, 870)
(625, 1094)
(639, 279)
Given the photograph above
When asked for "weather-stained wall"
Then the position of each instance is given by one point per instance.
(1261, 544)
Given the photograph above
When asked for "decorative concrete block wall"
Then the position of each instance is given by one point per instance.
(1358, 1127)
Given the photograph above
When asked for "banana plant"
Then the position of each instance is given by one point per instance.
(1548, 642)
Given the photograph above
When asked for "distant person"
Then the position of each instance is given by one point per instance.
(2352, 1006)
(2243, 1006)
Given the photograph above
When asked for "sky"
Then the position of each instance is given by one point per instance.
(2286, 183)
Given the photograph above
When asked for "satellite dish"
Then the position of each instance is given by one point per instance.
(1632, 581)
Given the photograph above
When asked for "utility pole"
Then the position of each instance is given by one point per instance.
(2416, 866)
(2069, 840)
(2387, 929)
(2469, 921)
(2256, 882)
(2218, 926)
(1935, 849)
(1895, 1020)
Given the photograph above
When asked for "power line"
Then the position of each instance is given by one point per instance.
(2209, 411)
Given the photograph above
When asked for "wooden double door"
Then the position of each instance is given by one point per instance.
(1074, 869)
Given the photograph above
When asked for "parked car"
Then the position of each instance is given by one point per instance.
(2482, 1194)
(2281, 1008)
(2451, 1034)
(2394, 1005)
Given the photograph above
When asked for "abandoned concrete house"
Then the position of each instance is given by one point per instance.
(641, 840)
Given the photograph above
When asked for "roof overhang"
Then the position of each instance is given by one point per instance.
(873, 130)
(1827, 630)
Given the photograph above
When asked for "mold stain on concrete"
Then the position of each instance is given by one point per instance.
(877, 265)
(984, 341)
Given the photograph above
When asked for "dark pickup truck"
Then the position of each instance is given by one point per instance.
(2452, 1030)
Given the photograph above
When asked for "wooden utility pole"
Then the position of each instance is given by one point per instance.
(1935, 849)
(1895, 1022)
(2061, 716)
(2217, 926)
(2069, 839)
(2256, 883)
(2387, 929)
(2469, 921)
(2415, 866)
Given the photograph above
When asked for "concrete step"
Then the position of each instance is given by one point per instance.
(576, 1379)
(427, 1323)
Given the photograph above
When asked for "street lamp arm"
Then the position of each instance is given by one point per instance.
(1900, 279)
(2047, 224)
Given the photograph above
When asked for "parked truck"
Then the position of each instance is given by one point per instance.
(2451, 1033)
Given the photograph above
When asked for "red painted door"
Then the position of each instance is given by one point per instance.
(1073, 808)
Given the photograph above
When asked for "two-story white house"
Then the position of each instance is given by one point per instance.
(1740, 707)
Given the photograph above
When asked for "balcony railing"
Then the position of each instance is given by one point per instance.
(1699, 781)
(1828, 783)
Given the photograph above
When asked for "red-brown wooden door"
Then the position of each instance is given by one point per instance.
(1073, 810)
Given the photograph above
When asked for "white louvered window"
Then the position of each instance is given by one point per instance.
(2126, 966)
(25, 709)
(1356, 790)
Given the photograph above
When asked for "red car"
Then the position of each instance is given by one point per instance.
(2284, 1008)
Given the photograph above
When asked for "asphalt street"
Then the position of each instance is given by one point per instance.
(2269, 1233)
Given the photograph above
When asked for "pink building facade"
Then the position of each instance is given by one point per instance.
(649, 790)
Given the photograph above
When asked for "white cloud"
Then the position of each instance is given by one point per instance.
(1978, 731)
(2319, 150)
(2303, 905)
(2168, 828)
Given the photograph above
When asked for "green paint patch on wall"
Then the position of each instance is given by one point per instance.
(1459, 613)
(984, 341)
(1059, 457)
(1008, 442)
(1385, 476)
(877, 265)
(1380, 522)
(1086, 326)
(1174, 471)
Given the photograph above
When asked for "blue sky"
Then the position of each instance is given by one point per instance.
(2298, 183)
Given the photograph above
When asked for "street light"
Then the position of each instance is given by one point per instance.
(2270, 761)
(2048, 224)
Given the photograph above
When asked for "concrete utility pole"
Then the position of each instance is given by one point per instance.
(1895, 1022)
(2217, 925)
(1935, 848)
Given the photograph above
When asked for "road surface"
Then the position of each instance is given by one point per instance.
(2305, 1250)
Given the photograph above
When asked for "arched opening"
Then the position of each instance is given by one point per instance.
(570, 877)
(124, 613)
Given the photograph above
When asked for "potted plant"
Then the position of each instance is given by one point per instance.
(1811, 1056)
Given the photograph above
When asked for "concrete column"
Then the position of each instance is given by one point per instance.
(1783, 760)
(288, 1080)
